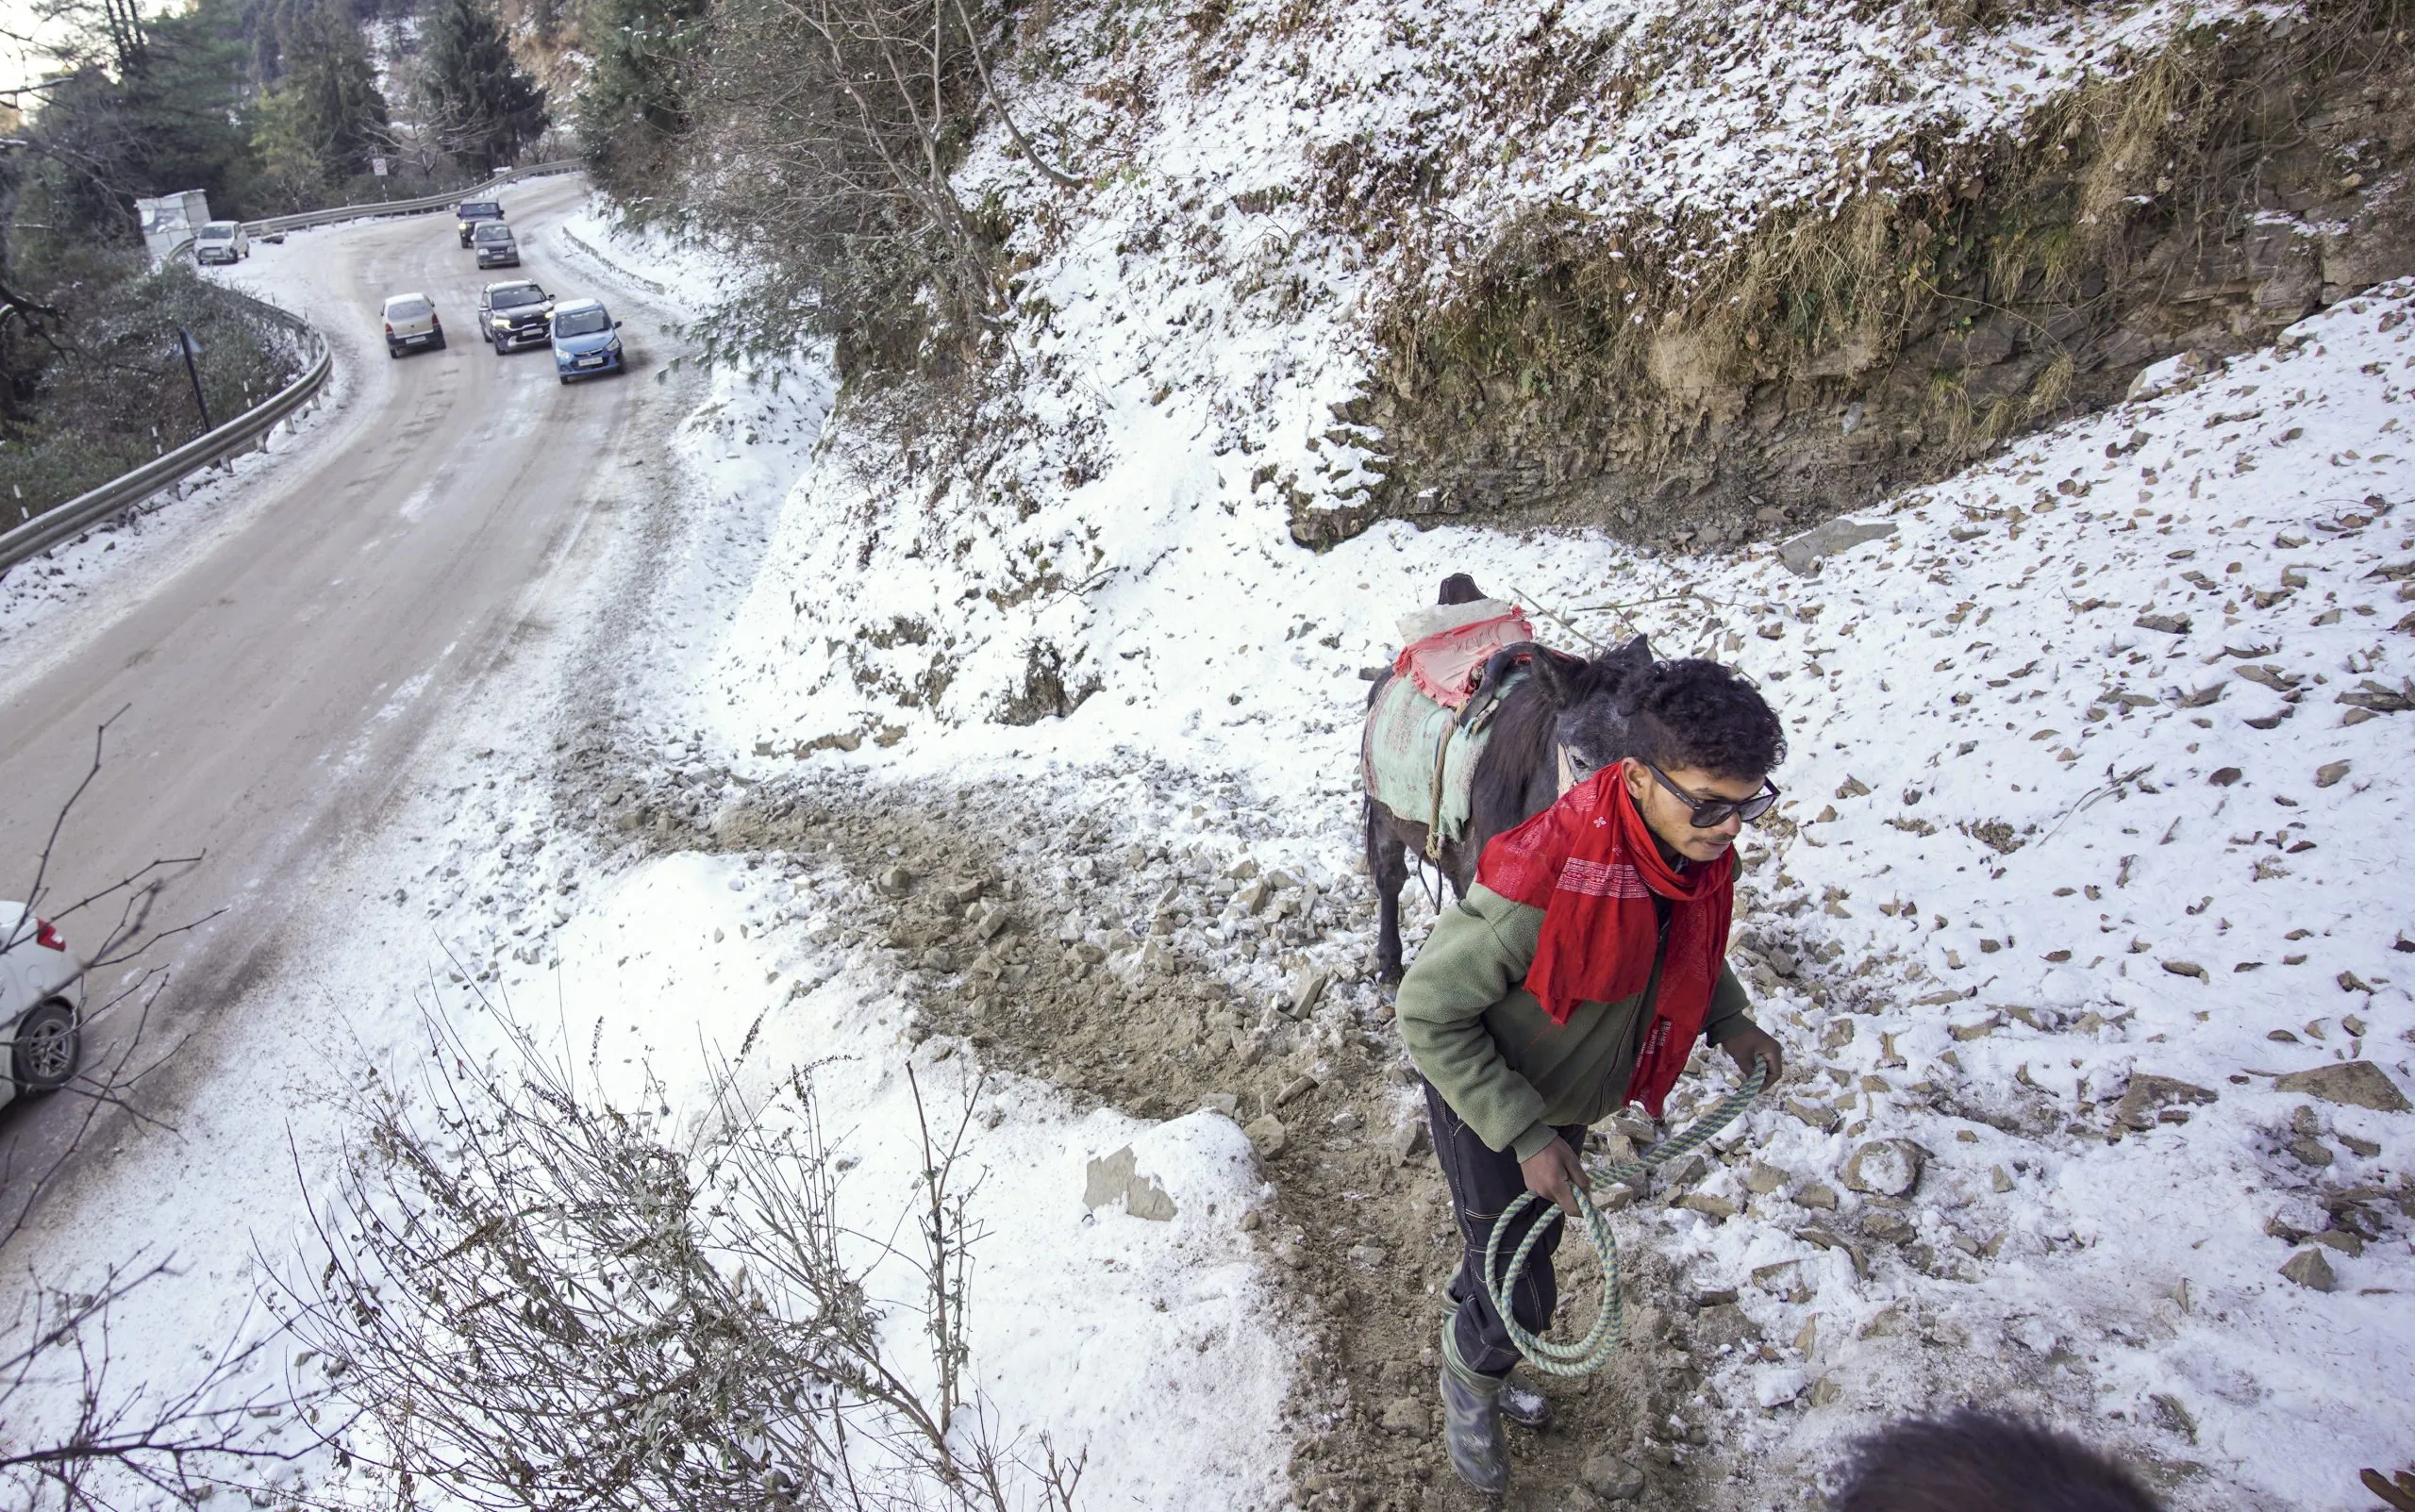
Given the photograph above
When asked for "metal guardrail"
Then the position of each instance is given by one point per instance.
(412, 206)
(82, 512)
(86, 510)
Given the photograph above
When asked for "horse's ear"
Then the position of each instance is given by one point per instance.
(1559, 676)
(1626, 664)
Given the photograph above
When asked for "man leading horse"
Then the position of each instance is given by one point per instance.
(1574, 977)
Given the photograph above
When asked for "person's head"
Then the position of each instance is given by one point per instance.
(1700, 740)
(1703, 727)
(1973, 1461)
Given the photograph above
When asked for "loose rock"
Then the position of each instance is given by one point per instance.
(1268, 1135)
(1611, 1478)
(2308, 1269)
(1885, 1167)
(2147, 1095)
(1299, 1087)
(1888, 1228)
(1307, 989)
(2350, 1083)
(1764, 1179)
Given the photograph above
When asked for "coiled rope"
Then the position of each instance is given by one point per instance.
(1609, 1332)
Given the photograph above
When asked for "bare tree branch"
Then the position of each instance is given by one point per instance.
(536, 1297)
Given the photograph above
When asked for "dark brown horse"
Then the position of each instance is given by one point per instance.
(1567, 703)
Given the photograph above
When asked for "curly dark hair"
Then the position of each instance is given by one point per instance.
(1973, 1461)
(1697, 713)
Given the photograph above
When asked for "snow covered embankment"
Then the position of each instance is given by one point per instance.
(2087, 789)
(2099, 890)
(1187, 330)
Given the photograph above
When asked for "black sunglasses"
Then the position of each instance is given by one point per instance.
(1709, 813)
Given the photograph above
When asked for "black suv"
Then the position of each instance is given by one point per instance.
(467, 215)
(514, 314)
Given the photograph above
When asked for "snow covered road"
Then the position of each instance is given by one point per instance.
(289, 638)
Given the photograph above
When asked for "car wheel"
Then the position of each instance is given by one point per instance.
(564, 378)
(393, 350)
(439, 341)
(45, 1055)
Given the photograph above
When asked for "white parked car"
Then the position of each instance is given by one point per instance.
(221, 241)
(42, 1005)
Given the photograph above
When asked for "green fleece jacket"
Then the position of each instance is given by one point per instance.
(1491, 1050)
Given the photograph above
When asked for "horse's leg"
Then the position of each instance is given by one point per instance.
(1387, 865)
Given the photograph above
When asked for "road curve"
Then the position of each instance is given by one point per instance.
(278, 680)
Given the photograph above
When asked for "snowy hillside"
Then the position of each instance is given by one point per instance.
(1195, 326)
(2096, 798)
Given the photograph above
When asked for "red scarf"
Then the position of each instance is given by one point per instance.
(1589, 863)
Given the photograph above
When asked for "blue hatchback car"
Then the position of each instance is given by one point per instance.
(586, 340)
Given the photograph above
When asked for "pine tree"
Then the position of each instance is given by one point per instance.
(485, 106)
(634, 106)
(318, 128)
(634, 102)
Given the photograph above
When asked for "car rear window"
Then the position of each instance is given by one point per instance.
(407, 309)
(472, 209)
(581, 322)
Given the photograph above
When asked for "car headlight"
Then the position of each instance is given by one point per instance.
(612, 345)
(501, 323)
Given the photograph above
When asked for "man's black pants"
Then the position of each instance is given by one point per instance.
(1483, 1182)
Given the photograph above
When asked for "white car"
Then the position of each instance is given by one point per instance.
(411, 321)
(221, 241)
(42, 1005)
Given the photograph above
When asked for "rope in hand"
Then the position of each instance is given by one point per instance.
(1609, 1332)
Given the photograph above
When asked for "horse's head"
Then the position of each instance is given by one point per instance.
(1585, 695)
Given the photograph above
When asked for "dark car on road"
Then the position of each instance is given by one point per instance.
(519, 313)
(467, 215)
(496, 245)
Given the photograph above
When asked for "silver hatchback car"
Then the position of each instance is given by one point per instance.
(412, 322)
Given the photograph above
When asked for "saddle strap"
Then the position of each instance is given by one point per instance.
(1433, 821)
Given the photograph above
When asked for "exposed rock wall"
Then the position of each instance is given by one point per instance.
(2204, 203)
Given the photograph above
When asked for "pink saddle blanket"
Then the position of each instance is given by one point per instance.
(1445, 665)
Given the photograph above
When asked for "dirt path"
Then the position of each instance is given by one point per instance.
(1069, 950)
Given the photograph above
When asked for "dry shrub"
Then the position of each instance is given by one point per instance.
(535, 1297)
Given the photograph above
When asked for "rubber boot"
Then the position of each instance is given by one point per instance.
(1472, 1423)
(1522, 1402)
